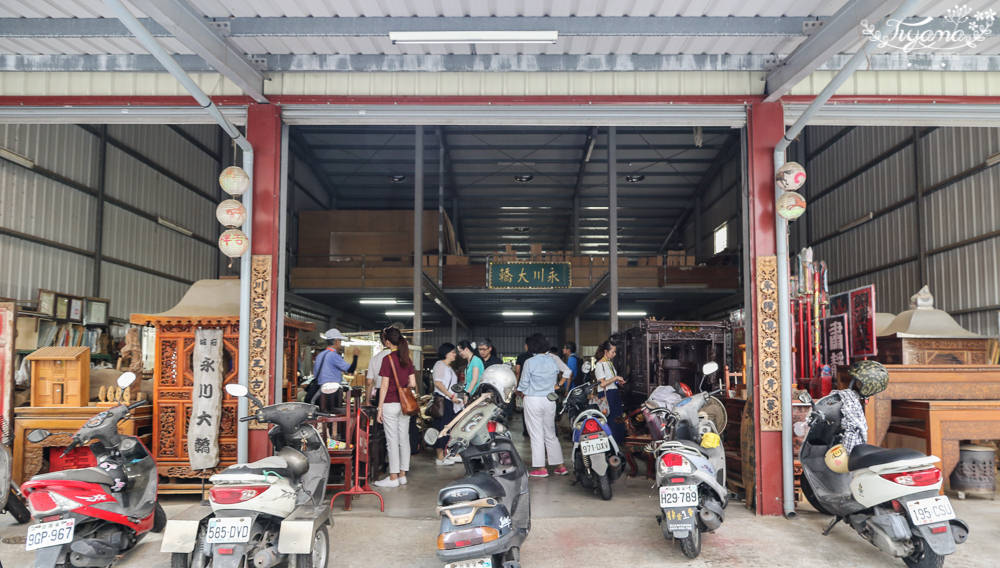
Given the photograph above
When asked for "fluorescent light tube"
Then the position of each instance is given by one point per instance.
(378, 301)
(400, 313)
(990, 161)
(174, 226)
(16, 158)
(597, 208)
(859, 221)
(474, 37)
(631, 314)
(590, 148)
(516, 314)
(512, 208)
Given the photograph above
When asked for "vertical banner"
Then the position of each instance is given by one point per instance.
(260, 327)
(7, 310)
(206, 399)
(769, 373)
(859, 306)
(836, 341)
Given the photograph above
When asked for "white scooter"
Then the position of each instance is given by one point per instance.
(267, 513)
(889, 496)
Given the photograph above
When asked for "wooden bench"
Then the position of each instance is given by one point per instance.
(943, 424)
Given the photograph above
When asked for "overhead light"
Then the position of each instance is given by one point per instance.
(517, 314)
(514, 237)
(514, 208)
(378, 301)
(599, 237)
(398, 178)
(991, 161)
(631, 314)
(400, 313)
(597, 207)
(523, 178)
(634, 178)
(503, 36)
(174, 226)
(16, 158)
(859, 221)
(590, 148)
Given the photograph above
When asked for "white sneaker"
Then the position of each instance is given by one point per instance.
(401, 480)
(445, 461)
(452, 460)
(387, 482)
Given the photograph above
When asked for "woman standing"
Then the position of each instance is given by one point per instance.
(397, 373)
(538, 379)
(444, 378)
(607, 388)
(473, 369)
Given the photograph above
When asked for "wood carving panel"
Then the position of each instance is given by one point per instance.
(260, 330)
(166, 433)
(168, 363)
(769, 378)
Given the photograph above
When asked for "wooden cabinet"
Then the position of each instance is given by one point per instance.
(60, 376)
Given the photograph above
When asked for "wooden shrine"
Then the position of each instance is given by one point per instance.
(207, 304)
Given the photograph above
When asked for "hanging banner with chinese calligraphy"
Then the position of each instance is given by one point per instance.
(206, 399)
(859, 305)
(258, 378)
(529, 275)
(836, 341)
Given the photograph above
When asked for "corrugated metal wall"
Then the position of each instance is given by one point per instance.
(36, 205)
(857, 171)
(720, 204)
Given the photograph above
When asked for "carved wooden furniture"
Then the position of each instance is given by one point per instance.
(936, 351)
(943, 424)
(63, 422)
(929, 382)
(60, 376)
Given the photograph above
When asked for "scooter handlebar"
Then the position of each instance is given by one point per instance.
(248, 418)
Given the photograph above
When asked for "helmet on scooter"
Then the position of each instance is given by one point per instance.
(836, 459)
(868, 377)
(501, 379)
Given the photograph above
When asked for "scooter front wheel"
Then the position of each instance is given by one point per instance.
(17, 509)
(691, 544)
(604, 483)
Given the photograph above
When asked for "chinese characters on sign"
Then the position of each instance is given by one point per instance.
(206, 405)
(836, 342)
(260, 323)
(530, 275)
(859, 305)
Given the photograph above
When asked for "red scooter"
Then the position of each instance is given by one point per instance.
(87, 517)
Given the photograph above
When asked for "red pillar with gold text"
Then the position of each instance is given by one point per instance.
(264, 134)
(765, 127)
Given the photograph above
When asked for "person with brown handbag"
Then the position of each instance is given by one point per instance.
(395, 406)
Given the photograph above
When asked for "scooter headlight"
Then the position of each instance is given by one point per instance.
(467, 537)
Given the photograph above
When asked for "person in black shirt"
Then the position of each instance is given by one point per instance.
(488, 353)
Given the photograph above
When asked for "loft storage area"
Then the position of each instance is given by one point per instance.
(517, 219)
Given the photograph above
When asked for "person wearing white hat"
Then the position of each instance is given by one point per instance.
(330, 366)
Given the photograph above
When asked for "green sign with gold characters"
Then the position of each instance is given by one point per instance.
(529, 275)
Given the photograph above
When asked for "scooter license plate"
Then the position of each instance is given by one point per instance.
(933, 510)
(679, 519)
(678, 496)
(596, 446)
(474, 563)
(44, 535)
(225, 530)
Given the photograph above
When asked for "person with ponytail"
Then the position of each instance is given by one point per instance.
(607, 388)
(397, 373)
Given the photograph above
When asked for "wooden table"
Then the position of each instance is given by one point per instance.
(943, 424)
(929, 382)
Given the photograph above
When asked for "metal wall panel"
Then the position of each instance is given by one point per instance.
(25, 267)
(955, 150)
(880, 242)
(966, 277)
(965, 210)
(169, 150)
(893, 287)
(38, 206)
(986, 323)
(62, 84)
(65, 149)
(207, 134)
(888, 83)
(142, 242)
(132, 291)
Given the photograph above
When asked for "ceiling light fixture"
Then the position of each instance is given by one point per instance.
(400, 313)
(631, 314)
(398, 178)
(174, 226)
(634, 178)
(517, 314)
(509, 208)
(514, 237)
(597, 208)
(523, 178)
(590, 149)
(378, 301)
(503, 36)
(16, 158)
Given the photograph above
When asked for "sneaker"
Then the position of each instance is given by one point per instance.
(387, 482)
(560, 470)
(443, 462)
(452, 460)
(402, 480)
(539, 472)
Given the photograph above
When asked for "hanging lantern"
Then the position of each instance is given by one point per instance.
(231, 213)
(234, 180)
(791, 205)
(790, 176)
(233, 243)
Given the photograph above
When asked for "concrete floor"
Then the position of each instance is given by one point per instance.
(571, 527)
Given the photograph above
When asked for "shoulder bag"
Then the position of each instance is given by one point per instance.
(407, 402)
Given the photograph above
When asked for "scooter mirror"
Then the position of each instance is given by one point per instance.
(805, 398)
(36, 436)
(552, 396)
(236, 390)
(329, 388)
(709, 368)
(431, 436)
(125, 380)
(586, 367)
(457, 388)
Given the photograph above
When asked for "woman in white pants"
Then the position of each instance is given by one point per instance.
(538, 379)
(397, 373)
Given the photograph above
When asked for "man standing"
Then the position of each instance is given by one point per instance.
(330, 367)
(573, 362)
(373, 382)
(488, 353)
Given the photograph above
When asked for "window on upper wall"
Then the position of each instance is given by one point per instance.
(720, 238)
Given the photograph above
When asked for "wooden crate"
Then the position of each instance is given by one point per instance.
(468, 276)
(60, 376)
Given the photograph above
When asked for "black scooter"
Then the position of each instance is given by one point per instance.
(486, 515)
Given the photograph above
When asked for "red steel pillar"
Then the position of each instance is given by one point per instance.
(264, 133)
(765, 127)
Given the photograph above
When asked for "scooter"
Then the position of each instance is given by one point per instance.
(88, 516)
(889, 496)
(691, 468)
(10, 497)
(597, 460)
(269, 512)
(486, 515)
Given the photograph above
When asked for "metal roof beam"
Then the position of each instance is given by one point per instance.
(192, 29)
(836, 34)
(437, 295)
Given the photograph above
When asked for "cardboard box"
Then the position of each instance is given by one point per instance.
(455, 260)
(323, 234)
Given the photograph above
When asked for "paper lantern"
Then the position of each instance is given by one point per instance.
(234, 180)
(790, 176)
(233, 243)
(231, 213)
(791, 205)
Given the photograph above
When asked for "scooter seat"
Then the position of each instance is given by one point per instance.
(867, 455)
(271, 465)
(479, 485)
(87, 475)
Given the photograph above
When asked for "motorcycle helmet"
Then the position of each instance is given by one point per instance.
(868, 377)
(836, 459)
(501, 379)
